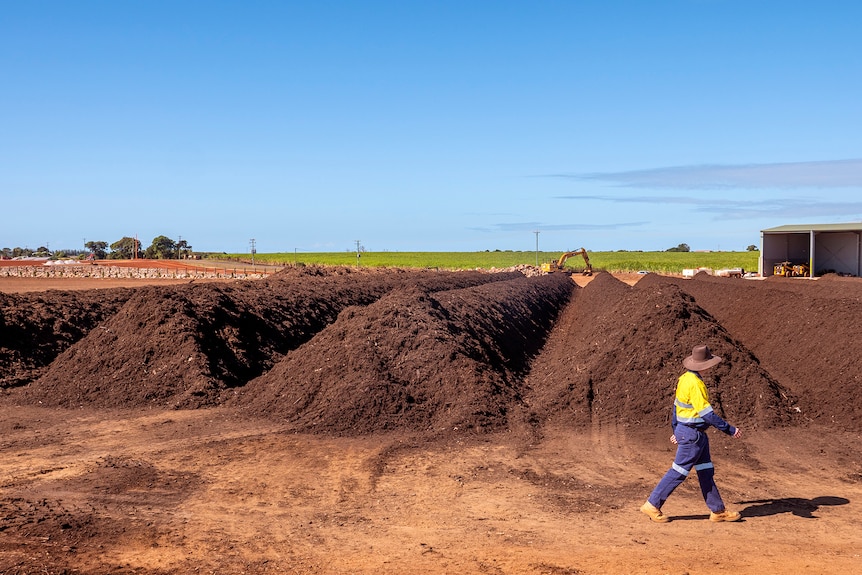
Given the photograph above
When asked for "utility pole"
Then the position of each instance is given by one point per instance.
(253, 250)
(357, 253)
(537, 247)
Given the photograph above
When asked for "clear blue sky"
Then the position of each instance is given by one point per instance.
(427, 126)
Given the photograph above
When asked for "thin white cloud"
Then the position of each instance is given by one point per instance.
(722, 208)
(825, 174)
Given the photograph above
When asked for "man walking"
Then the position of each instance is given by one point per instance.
(692, 416)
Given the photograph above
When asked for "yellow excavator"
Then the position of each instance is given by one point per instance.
(557, 266)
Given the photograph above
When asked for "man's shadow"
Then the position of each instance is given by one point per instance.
(798, 506)
(765, 507)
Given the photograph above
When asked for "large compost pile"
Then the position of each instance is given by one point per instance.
(348, 351)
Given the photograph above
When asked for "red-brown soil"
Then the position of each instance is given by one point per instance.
(392, 421)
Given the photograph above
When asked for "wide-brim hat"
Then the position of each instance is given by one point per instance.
(701, 358)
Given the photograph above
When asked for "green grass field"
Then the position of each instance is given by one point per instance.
(658, 262)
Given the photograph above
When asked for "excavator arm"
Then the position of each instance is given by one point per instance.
(558, 265)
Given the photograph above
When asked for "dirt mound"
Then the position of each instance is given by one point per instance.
(415, 361)
(617, 352)
(183, 345)
(35, 328)
(613, 354)
(802, 332)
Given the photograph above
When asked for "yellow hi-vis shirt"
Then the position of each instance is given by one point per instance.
(692, 400)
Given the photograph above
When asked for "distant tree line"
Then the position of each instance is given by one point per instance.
(679, 248)
(162, 248)
(686, 248)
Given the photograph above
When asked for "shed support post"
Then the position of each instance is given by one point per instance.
(811, 254)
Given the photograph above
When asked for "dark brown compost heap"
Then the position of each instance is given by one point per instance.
(36, 327)
(805, 333)
(415, 360)
(617, 353)
(346, 350)
(182, 345)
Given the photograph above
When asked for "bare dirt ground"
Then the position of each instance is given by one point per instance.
(130, 445)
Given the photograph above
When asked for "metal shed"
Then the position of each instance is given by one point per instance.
(825, 248)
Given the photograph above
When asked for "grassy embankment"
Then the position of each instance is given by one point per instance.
(658, 262)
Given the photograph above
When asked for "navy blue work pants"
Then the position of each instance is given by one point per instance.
(692, 452)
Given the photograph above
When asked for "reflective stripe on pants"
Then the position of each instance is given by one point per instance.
(692, 452)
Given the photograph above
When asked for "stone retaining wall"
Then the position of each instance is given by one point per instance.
(119, 272)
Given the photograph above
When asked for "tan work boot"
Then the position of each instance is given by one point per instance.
(724, 516)
(654, 513)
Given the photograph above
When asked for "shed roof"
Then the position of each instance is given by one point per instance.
(805, 228)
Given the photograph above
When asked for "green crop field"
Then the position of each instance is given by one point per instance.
(620, 261)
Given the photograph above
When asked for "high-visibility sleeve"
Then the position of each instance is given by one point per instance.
(692, 407)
